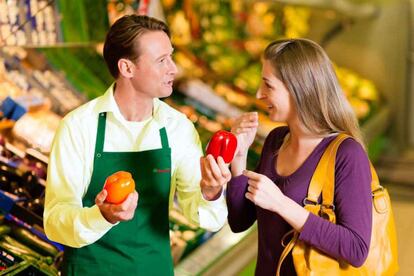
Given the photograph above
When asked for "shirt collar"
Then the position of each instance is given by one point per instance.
(107, 103)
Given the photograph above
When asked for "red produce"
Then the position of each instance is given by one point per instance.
(224, 144)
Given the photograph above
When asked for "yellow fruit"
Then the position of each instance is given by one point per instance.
(367, 91)
(255, 46)
(180, 29)
(168, 4)
(260, 8)
(360, 107)
(351, 81)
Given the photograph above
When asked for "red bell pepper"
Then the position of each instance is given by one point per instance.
(224, 144)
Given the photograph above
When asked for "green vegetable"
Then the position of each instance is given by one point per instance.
(34, 241)
(4, 229)
(18, 249)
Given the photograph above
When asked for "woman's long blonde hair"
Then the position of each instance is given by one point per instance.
(308, 74)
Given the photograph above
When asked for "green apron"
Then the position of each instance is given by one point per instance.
(140, 246)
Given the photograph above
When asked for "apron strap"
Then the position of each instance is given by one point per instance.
(100, 134)
(164, 138)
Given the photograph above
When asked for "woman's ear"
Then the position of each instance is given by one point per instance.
(125, 67)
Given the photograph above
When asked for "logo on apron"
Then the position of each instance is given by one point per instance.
(155, 170)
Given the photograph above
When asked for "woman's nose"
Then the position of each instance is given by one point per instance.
(259, 93)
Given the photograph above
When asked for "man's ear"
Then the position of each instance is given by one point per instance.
(125, 67)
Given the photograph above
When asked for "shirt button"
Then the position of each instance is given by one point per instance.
(98, 155)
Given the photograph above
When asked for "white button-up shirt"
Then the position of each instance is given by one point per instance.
(71, 163)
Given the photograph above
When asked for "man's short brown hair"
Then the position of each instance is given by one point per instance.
(121, 42)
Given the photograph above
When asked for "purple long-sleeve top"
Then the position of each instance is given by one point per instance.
(348, 240)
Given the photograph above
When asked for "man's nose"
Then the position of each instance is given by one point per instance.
(173, 67)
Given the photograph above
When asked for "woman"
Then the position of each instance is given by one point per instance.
(300, 87)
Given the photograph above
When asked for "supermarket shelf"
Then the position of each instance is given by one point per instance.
(217, 256)
(344, 7)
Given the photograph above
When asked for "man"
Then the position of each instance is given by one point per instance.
(128, 129)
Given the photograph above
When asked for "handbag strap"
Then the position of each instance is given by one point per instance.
(324, 175)
(375, 185)
(323, 178)
(323, 181)
(287, 249)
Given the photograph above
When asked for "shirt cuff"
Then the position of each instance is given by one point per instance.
(212, 202)
(96, 220)
(212, 214)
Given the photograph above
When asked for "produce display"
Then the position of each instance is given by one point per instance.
(26, 77)
(31, 22)
(360, 92)
(220, 43)
(83, 67)
(22, 253)
(24, 247)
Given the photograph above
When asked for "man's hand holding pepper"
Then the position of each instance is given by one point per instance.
(214, 176)
(114, 213)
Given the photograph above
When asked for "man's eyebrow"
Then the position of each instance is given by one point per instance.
(167, 54)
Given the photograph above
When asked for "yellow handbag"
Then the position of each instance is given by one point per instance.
(382, 257)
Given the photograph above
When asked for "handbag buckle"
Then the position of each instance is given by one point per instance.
(379, 189)
(307, 201)
(329, 206)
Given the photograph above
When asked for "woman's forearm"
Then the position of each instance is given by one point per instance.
(292, 213)
(238, 165)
